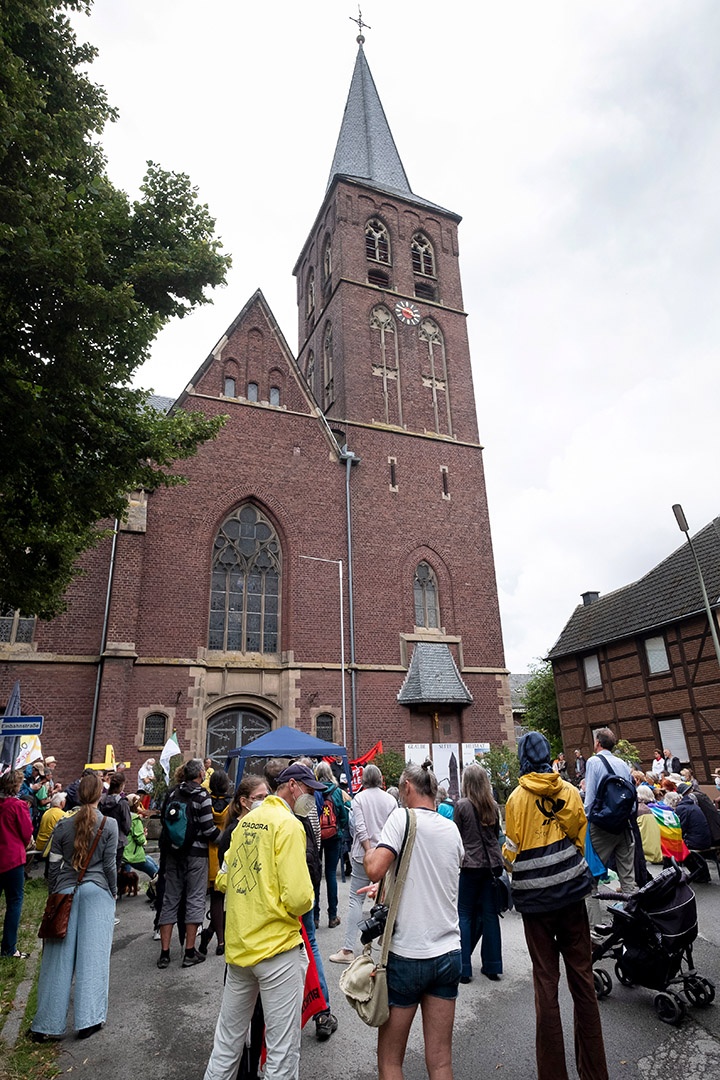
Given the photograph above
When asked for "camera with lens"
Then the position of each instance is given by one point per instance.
(373, 927)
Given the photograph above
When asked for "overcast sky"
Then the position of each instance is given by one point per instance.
(580, 142)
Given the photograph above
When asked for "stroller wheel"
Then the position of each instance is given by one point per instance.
(669, 1007)
(698, 991)
(603, 982)
(621, 976)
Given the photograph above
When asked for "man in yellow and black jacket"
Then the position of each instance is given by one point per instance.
(545, 827)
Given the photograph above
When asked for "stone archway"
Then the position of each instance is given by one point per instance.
(231, 728)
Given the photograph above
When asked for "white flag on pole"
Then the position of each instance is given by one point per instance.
(170, 749)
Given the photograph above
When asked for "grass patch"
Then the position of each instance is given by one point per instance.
(25, 1059)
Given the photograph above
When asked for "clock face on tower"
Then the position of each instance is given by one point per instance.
(407, 312)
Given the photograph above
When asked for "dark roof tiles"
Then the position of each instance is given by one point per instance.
(433, 677)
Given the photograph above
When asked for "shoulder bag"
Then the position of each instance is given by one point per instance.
(56, 916)
(364, 982)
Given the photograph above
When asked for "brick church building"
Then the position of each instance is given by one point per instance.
(214, 609)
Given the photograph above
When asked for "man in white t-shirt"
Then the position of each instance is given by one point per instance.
(424, 962)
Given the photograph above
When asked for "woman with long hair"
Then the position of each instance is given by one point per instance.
(478, 819)
(84, 954)
(250, 791)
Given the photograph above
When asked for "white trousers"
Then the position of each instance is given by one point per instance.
(280, 981)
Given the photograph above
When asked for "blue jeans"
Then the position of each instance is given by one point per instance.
(330, 852)
(12, 883)
(308, 922)
(477, 909)
(149, 867)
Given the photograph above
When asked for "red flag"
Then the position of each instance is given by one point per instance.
(313, 997)
(356, 767)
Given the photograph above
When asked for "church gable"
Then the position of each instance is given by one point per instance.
(252, 363)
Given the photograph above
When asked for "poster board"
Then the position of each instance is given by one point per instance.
(416, 753)
(446, 766)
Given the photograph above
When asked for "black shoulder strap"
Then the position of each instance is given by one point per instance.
(607, 765)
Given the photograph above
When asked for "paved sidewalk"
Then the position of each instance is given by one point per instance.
(160, 1023)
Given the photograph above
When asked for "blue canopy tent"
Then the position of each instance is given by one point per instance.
(287, 742)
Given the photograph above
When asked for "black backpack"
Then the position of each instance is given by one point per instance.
(312, 854)
(615, 801)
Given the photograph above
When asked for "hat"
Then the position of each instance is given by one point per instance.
(683, 788)
(39, 767)
(676, 778)
(534, 753)
(50, 760)
(302, 774)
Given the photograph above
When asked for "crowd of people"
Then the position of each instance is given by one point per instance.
(262, 860)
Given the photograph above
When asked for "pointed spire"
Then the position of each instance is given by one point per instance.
(365, 148)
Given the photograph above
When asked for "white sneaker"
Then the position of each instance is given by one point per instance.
(156, 935)
(344, 956)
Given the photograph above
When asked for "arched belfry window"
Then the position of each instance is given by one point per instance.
(310, 293)
(377, 241)
(245, 596)
(328, 367)
(427, 612)
(423, 256)
(385, 363)
(327, 262)
(435, 375)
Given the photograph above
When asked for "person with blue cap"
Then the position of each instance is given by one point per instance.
(545, 828)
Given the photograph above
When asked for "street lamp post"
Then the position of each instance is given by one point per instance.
(684, 527)
(339, 564)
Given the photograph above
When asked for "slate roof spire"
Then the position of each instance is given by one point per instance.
(365, 148)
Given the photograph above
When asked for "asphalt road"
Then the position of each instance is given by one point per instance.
(160, 1023)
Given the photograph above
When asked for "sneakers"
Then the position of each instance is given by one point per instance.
(205, 936)
(334, 922)
(156, 935)
(325, 1024)
(220, 949)
(343, 956)
(163, 961)
(190, 959)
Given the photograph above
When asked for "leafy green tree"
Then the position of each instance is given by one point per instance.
(628, 752)
(541, 708)
(501, 762)
(87, 278)
(391, 765)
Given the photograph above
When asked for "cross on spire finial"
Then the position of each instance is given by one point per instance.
(361, 26)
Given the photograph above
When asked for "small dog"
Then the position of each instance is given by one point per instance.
(128, 883)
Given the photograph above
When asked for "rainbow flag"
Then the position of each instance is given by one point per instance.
(672, 844)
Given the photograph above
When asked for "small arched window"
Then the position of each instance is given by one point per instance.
(425, 588)
(274, 395)
(154, 728)
(229, 390)
(252, 391)
(245, 596)
(423, 256)
(377, 241)
(325, 727)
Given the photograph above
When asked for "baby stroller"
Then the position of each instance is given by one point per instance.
(650, 940)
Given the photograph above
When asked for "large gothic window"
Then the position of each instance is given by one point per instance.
(377, 241)
(328, 368)
(15, 628)
(435, 375)
(426, 597)
(245, 597)
(423, 256)
(386, 364)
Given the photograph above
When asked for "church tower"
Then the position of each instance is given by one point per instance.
(383, 346)
(378, 249)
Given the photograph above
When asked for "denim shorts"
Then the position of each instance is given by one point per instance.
(409, 980)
